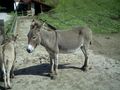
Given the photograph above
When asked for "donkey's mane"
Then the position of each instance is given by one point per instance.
(48, 25)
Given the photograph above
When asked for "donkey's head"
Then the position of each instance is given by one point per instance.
(34, 37)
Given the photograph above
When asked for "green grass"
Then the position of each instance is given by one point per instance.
(102, 16)
(9, 25)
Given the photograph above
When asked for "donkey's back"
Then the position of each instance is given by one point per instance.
(72, 40)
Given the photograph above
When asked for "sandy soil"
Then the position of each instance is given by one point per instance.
(104, 63)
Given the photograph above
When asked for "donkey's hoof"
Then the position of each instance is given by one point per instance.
(84, 68)
(12, 76)
(50, 74)
(9, 87)
(53, 77)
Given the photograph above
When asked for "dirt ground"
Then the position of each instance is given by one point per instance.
(32, 69)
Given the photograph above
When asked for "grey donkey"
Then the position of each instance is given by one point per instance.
(59, 41)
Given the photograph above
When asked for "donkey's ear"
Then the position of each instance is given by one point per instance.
(43, 24)
(45, 21)
(33, 22)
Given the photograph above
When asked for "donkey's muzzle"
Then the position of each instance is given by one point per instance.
(28, 50)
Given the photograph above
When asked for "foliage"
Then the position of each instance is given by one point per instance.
(101, 16)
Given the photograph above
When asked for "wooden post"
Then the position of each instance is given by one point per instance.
(33, 8)
(2, 33)
(41, 8)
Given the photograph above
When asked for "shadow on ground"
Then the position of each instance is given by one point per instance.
(42, 69)
(2, 88)
(1, 82)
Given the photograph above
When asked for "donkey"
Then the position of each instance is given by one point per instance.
(59, 41)
(7, 60)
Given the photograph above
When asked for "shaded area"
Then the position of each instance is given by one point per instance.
(22, 7)
(42, 69)
(1, 81)
(6, 5)
(2, 88)
(41, 7)
(34, 70)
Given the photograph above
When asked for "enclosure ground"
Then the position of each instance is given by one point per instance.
(104, 65)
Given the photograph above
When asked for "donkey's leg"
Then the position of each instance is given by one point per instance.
(84, 67)
(52, 65)
(56, 64)
(1, 74)
(4, 75)
(12, 70)
(8, 78)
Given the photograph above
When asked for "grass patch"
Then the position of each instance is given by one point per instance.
(102, 16)
(10, 24)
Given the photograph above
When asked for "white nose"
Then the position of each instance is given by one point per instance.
(30, 48)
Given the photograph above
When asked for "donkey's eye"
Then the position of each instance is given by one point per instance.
(31, 27)
(34, 37)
